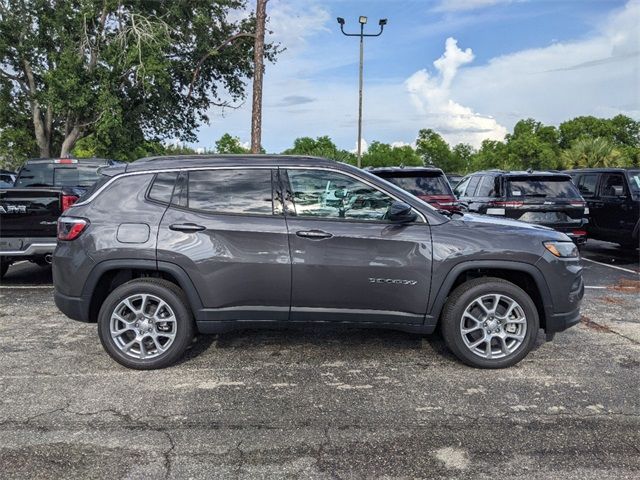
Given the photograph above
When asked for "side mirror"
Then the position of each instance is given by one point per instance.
(400, 212)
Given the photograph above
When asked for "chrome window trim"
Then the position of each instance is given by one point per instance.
(247, 167)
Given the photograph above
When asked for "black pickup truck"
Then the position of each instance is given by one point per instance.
(29, 211)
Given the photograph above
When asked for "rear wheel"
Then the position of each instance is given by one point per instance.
(146, 324)
(490, 323)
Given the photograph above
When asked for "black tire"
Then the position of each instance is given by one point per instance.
(463, 296)
(4, 266)
(174, 298)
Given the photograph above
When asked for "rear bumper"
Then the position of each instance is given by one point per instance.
(76, 308)
(30, 247)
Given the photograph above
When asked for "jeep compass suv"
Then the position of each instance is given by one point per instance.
(166, 247)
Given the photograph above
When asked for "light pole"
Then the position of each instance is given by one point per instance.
(362, 20)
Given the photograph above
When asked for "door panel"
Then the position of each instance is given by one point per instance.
(364, 272)
(348, 263)
(240, 264)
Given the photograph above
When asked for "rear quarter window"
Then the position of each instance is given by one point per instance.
(162, 187)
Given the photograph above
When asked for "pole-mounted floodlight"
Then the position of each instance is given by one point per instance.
(362, 20)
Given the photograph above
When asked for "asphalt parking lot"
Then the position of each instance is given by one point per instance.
(322, 403)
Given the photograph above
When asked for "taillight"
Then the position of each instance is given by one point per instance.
(577, 204)
(67, 201)
(70, 228)
(65, 161)
(579, 233)
(506, 204)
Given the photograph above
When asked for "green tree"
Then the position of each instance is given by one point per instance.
(619, 130)
(320, 147)
(384, 155)
(533, 145)
(492, 154)
(122, 72)
(433, 149)
(590, 153)
(461, 156)
(229, 144)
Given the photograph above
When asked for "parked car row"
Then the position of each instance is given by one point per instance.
(599, 203)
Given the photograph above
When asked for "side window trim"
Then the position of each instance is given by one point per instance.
(421, 217)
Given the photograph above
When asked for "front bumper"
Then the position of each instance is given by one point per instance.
(559, 322)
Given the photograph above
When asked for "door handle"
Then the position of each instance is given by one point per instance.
(186, 227)
(314, 234)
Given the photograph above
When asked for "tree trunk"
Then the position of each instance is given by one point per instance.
(43, 135)
(70, 140)
(258, 61)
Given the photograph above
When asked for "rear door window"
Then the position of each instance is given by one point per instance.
(420, 184)
(231, 191)
(473, 184)
(487, 187)
(587, 184)
(613, 185)
(547, 186)
(461, 187)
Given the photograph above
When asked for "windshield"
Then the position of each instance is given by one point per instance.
(634, 180)
(553, 187)
(420, 185)
(55, 175)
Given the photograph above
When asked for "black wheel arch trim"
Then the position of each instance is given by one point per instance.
(184, 282)
(437, 304)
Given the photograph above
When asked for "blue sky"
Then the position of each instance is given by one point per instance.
(496, 61)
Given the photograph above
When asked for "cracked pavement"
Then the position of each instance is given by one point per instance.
(325, 403)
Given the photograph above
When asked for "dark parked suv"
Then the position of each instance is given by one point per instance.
(167, 247)
(428, 184)
(543, 198)
(613, 199)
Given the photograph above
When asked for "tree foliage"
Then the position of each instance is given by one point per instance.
(230, 144)
(320, 147)
(121, 72)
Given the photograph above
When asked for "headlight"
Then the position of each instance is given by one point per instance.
(562, 249)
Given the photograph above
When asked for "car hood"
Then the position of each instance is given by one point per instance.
(507, 225)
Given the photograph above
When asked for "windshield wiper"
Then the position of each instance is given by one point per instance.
(535, 195)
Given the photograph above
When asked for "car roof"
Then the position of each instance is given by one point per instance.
(598, 170)
(401, 169)
(201, 161)
(522, 173)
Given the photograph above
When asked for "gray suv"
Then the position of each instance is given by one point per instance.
(166, 247)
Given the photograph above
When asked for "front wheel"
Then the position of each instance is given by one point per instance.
(146, 324)
(490, 323)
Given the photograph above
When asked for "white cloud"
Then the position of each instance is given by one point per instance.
(460, 5)
(432, 97)
(364, 146)
(598, 75)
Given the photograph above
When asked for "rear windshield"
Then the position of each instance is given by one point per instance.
(553, 187)
(420, 184)
(56, 175)
(634, 180)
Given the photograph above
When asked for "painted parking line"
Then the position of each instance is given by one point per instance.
(611, 266)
